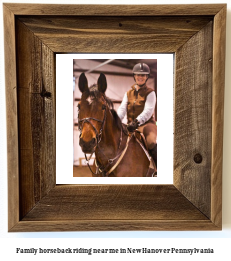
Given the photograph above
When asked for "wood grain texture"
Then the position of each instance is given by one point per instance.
(114, 10)
(111, 207)
(114, 34)
(35, 66)
(218, 114)
(114, 202)
(114, 225)
(194, 201)
(12, 122)
(193, 112)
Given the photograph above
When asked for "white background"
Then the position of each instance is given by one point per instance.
(64, 120)
(219, 240)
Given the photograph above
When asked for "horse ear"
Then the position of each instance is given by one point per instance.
(83, 84)
(102, 83)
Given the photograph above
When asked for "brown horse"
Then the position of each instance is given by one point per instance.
(117, 154)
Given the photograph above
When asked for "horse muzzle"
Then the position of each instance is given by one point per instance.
(88, 147)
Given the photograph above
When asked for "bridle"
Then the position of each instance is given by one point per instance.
(87, 120)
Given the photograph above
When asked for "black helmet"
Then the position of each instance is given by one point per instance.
(141, 68)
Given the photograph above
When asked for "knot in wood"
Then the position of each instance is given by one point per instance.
(198, 158)
(45, 94)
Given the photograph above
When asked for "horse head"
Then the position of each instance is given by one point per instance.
(92, 112)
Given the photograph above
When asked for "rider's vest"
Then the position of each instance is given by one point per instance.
(136, 102)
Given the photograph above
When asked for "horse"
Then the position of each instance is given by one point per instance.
(117, 153)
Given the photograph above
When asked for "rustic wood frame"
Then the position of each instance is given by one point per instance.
(33, 34)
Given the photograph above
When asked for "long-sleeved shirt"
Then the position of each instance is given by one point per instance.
(146, 113)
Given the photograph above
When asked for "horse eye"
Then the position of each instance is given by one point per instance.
(78, 106)
(104, 107)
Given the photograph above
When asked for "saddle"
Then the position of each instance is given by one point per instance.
(152, 171)
(140, 136)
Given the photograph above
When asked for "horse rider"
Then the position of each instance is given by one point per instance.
(139, 105)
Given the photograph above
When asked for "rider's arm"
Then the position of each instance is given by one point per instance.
(122, 110)
(149, 107)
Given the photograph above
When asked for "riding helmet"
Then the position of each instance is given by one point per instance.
(141, 68)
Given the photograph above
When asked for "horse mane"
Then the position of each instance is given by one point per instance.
(94, 92)
(118, 121)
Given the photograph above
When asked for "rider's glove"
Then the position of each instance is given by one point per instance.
(132, 126)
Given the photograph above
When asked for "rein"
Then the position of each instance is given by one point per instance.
(110, 161)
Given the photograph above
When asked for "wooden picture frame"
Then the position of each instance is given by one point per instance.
(33, 34)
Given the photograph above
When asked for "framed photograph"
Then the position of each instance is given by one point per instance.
(119, 77)
(35, 37)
